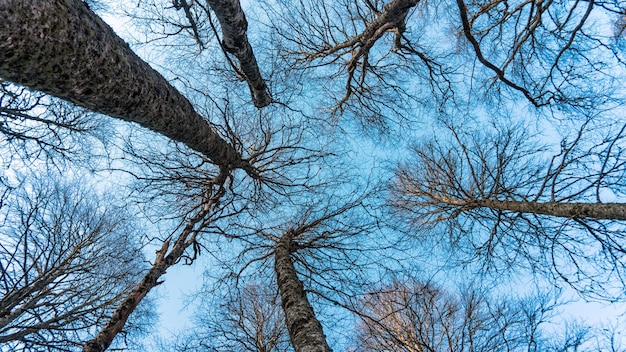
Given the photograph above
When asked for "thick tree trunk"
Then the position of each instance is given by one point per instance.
(62, 48)
(305, 331)
(234, 25)
(604, 211)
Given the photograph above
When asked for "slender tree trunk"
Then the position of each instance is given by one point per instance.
(234, 25)
(62, 48)
(607, 211)
(163, 261)
(305, 331)
(105, 337)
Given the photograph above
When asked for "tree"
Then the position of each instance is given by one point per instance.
(416, 317)
(315, 258)
(553, 46)
(304, 329)
(383, 62)
(166, 256)
(248, 319)
(391, 18)
(502, 201)
(149, 100)
(325, 233)
(67, 258)
(96, 69)
(339, 39)
(234, 25)
(391, 57)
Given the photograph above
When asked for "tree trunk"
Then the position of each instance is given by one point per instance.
(163, 261)
(105, 337)
(604, 211)
(234, 25)
(305, 331)
(62, 48)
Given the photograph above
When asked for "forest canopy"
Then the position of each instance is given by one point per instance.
(356, 175)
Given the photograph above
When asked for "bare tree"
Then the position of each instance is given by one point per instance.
(362, 45)
(96, 69)
(197, 23)
(247, 319)
(174, 184)
(377, 23)
(504, 201)
(235, 41)
(418, 317)
(610, 338)
(494, 195)
(305, 330)
(67, 258)
(172, 251)
(316, 253)
(303, 244)
(546, 51)
(393, 56)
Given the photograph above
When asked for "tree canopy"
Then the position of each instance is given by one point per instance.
(331, 166)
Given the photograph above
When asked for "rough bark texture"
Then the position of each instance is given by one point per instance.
(62, 48)
(234, 25)
(305, 331)
(605, 211)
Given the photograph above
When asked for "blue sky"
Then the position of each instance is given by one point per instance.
(183, 280)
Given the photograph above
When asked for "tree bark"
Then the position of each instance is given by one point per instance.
(601, 211)
(62, 48)
(305, 331)
(234, 25)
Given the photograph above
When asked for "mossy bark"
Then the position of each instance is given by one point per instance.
(62, 48)
(305, 331)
